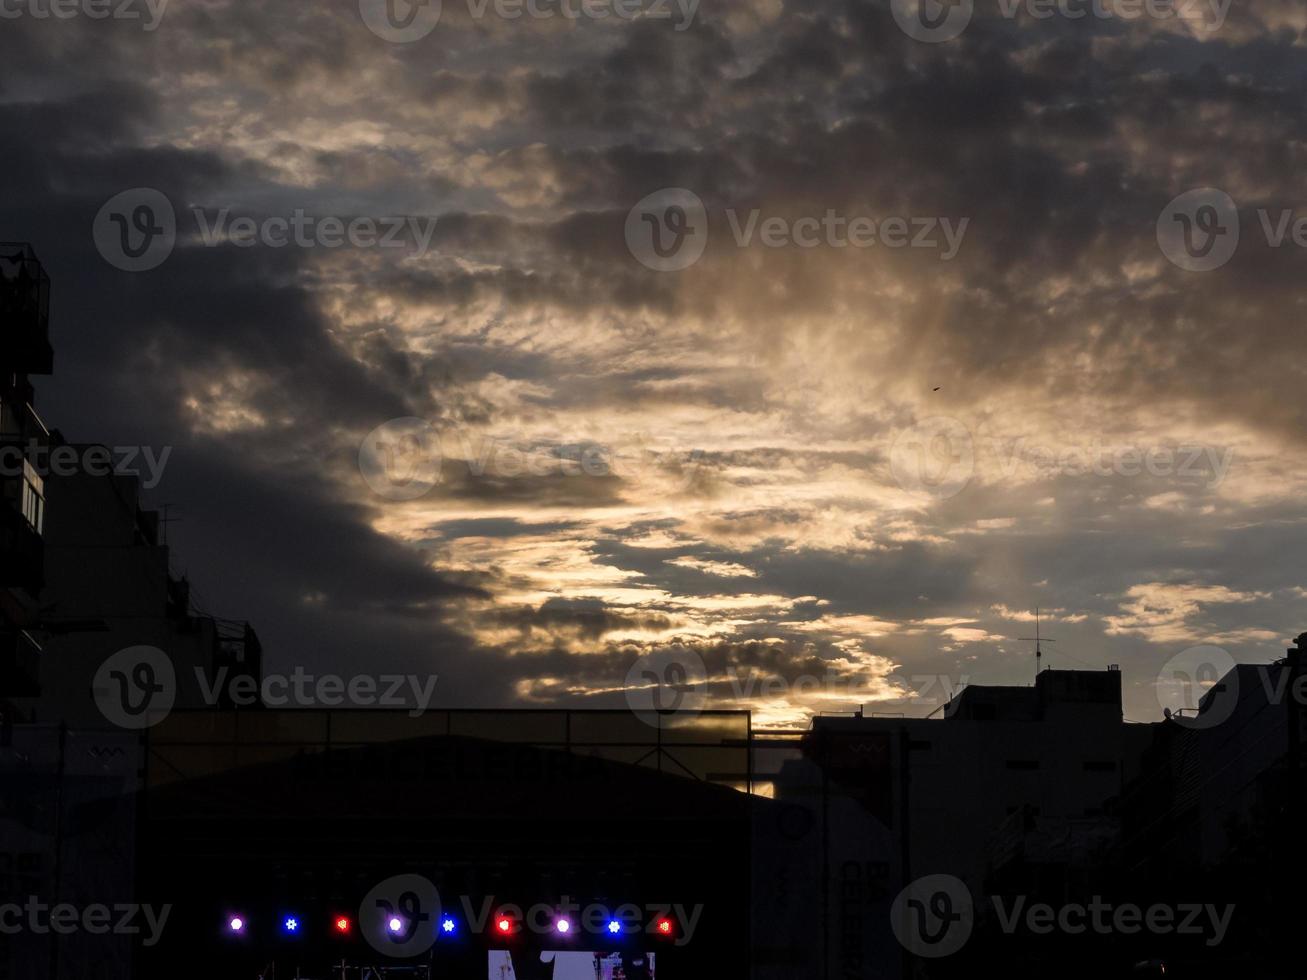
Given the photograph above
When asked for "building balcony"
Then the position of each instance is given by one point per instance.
(24, 312)
(22, 553)
(20, 658)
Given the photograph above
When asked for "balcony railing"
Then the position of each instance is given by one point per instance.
(24, 311)
(20, 424)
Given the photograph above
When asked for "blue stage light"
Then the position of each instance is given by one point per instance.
(291, 924)
(396, 924)
(563, 925)
(614, 927)
(448, 925)
(236, 924)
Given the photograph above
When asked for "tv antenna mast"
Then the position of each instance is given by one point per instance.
(1038, 640)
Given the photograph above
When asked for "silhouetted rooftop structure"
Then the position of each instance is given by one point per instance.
(1052, 689)
(24, 311)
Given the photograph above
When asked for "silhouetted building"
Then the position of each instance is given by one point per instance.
(83, 575)
(1216, 813)
(24, 351)
(109, 587)
(1011, 787)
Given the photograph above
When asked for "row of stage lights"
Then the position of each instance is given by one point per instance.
(343, 925)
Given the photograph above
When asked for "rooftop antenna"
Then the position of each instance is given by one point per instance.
(1039, 640)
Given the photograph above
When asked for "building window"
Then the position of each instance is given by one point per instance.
(33, 502)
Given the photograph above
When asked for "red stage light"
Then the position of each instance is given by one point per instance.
(504, 925)
(665, 927)
(342, 925)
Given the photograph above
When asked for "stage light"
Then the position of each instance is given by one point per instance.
(562, 925)
(665, 927)
(236, 924)
(342, 925)
(396, 924)
(447, 925)
(291, 925)
(504, 925)
(614, 927)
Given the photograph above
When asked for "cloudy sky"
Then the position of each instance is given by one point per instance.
(832, 446)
